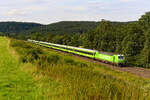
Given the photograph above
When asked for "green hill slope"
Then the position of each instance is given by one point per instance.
(68, 27)
(25, 29)
(16, 27)
(64, 27)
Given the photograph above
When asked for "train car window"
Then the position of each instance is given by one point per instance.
(85, 52)
(63, 47)
(69, 49)
(121, 57)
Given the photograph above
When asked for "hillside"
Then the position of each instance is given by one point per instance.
(65, 27)
(68, 27)
(16, 27)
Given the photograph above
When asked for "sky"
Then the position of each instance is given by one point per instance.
(50, 11)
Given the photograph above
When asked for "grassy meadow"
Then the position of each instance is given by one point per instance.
(59, 76)
(14, 84)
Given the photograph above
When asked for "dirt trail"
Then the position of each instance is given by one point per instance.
(137, 71)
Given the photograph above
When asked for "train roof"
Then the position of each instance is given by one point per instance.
(77, 48)
(83, 49)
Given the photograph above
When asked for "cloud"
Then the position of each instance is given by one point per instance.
(128, 0)
(25, 11)
(17, 12)
(76, 8)
(79, 8)
(48, 11)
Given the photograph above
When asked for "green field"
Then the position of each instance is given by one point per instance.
(14, 84)
(37, 73)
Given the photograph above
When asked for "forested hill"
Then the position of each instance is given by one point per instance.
(16, 27)
(68, 27)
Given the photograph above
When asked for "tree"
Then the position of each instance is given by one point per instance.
(58, 39)
(144, 21)
(66, 39)
(90, 39)
(75, 40)
(132, 43)
(105, 36)
(145, 53)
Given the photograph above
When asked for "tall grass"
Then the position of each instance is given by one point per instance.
(78, 79)
(14, 83)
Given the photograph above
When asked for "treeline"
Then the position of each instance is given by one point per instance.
(131, 38)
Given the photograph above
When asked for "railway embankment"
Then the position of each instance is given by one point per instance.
(137, 71)
(62, 76)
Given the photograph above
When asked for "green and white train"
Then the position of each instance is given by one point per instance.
(116, 59)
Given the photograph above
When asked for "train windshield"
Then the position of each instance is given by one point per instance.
(121, 57)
